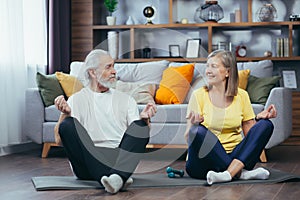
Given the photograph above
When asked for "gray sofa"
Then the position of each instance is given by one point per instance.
(168, 125)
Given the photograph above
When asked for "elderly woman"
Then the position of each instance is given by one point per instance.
(217, 116)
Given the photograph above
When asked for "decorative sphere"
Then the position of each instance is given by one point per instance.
(148, 11)
(184, 21)
(268, 53)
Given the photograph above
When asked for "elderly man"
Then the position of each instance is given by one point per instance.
(100, 128)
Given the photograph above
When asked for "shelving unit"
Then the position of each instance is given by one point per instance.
(89, 29)
(100, 30)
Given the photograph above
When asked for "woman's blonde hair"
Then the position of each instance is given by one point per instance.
(229, 61)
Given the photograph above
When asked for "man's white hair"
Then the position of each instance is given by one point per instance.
(92, 61)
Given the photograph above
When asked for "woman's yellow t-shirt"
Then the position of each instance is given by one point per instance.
(225, 123)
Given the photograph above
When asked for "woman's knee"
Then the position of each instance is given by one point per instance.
(267, 124)
(195, 171)
(197, 132)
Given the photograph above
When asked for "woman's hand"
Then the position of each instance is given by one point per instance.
(195, 118)
(192, 118)
(149, 111)
(62, 105)
(269, 113)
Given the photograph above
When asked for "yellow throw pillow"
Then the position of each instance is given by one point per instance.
(175, 84)
(243, 78)
(70, 84)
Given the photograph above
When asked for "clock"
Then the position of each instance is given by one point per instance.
(241, 51)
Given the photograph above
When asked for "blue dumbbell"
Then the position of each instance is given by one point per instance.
(172, 172)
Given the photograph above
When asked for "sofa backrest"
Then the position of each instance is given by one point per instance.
(152, 71)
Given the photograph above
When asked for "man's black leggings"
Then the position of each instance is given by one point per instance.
(91, 163)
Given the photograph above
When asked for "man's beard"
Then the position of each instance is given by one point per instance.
(107, 83)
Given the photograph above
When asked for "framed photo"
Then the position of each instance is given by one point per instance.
(174, 50)
(289, 78)
(193, 48)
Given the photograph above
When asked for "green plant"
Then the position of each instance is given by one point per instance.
(111, 5)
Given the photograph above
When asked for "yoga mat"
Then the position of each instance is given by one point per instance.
(43, 183)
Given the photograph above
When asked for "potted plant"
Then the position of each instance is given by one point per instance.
(111, 6)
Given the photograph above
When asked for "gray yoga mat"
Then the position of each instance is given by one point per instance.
(43, 183)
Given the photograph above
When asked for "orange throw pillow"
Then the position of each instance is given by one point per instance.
(175, 84)
(243, 78)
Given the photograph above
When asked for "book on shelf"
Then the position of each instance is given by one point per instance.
(282, 47)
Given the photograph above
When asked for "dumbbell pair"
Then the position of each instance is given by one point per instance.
(173, 172)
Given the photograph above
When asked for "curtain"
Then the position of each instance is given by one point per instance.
(21, 45)
(59, 35)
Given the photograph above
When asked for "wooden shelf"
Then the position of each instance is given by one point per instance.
(90, 30)
(239, 59)
(235, 25)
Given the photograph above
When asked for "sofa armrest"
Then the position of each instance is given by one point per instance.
(34, 115)
(282, 99)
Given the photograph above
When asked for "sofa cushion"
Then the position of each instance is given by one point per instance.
(199, 69)
(243, 78)
(49, 88)
(257, 108)
(51, 114)
(175, 84)
(171, 133)
(147, 72)
(259, 88)
(70, 84)
(262, 68)
(142, 93)
(197, 83)
(172, 113)
(75, 70)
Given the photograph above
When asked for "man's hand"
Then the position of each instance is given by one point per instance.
(149, 111)
(61, 105)
(269, 113)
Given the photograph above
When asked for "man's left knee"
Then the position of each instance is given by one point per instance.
(138, 129)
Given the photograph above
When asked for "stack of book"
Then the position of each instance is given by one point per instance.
(282, 47)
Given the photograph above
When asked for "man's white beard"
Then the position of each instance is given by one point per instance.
(106, 83)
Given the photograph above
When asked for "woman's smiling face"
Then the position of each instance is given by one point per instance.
(215, 72)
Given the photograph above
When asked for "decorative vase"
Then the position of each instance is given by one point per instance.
(113, 44)
(267, 13)
(111, 20)
(129, 21)
(210, 11)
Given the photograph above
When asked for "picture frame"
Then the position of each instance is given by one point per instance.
(289, 78)
(193, 48)
(174, 50)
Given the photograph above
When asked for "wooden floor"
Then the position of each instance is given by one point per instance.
(16, 172)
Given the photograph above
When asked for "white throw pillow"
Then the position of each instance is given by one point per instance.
(142, 93)
(261, 69)
(75, 68)
(147, 72)
(198, 83)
